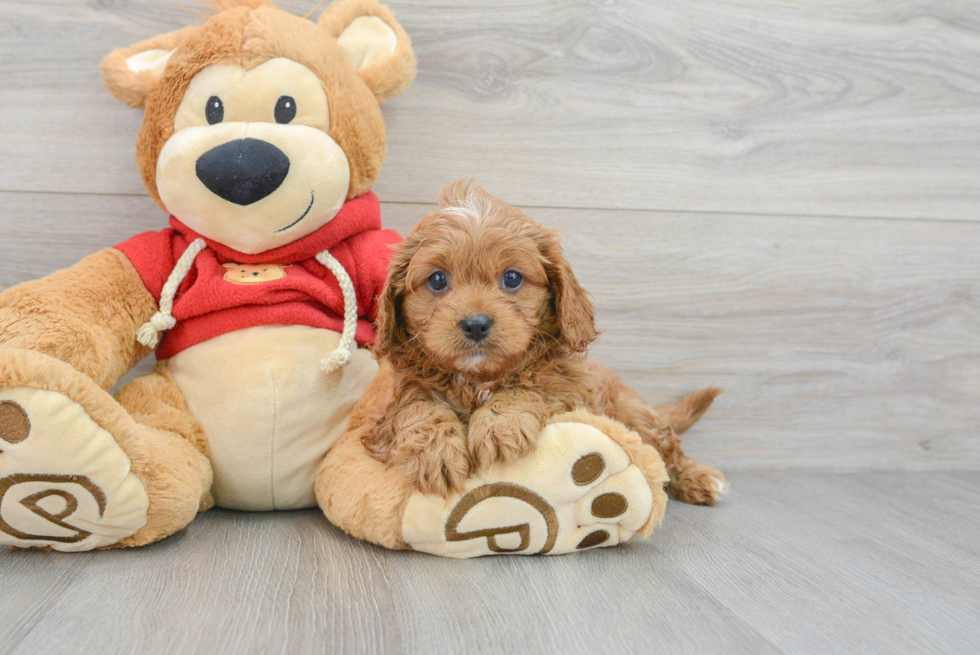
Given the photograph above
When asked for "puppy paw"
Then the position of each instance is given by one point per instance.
(433, 455)
(501, 434)
(698, 484)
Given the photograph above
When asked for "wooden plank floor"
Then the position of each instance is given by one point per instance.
(780, 198)
(792, 562)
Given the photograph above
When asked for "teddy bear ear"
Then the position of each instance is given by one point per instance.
(374, 42)
(132, 73)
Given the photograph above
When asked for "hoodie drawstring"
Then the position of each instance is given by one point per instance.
(341, 355)
(149, 333)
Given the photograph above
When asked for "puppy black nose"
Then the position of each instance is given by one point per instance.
(476, 328)
(243, 171)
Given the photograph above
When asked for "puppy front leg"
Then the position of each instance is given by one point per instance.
(426, 442)
(506, 427)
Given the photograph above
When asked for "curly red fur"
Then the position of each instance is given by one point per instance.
(459, 405)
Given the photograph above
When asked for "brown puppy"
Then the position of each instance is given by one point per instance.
(485, 327)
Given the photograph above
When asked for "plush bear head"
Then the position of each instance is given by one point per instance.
(259, 124)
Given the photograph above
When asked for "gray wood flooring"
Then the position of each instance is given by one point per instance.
(780, 198)
(792, 562)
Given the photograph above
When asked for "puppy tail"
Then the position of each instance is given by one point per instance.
(685, 413)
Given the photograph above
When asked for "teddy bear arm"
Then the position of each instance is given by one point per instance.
(590, 482)
(85, 315)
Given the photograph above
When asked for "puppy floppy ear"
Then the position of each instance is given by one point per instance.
(390, 319)
(375, 43)
(572, 304)
(133, 73)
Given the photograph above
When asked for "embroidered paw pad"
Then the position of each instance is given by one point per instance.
(64, 481)
(577, 490)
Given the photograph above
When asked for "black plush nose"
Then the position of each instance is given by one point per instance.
(243, 171)
(476, 328)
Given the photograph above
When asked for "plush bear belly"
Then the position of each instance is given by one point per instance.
(268, 411)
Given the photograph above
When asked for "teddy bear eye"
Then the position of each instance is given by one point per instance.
(214, 111)
(285, 109)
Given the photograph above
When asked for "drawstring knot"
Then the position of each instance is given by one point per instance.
(149, 333)
(341, 355)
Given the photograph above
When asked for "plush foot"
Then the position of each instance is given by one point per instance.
(589, 483)
(65, 483)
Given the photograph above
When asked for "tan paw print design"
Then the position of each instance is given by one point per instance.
(590, 482)
(254, 273)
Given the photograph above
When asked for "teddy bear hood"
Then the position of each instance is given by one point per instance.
(329, 279)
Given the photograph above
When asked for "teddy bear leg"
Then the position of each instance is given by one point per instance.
(590, 482)
(361, 495)
(175, 467)
(77, 472)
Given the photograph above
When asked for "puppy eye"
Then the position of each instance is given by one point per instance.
(438, 281)
(214, 111)
(285, 109)
(512, 280)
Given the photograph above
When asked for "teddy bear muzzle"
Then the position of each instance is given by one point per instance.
(243, 171)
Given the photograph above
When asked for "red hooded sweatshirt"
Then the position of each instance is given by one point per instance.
(213, 300)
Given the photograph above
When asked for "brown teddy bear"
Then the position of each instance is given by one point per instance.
(261, 139)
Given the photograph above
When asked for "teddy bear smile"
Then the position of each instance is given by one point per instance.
(308, 208)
